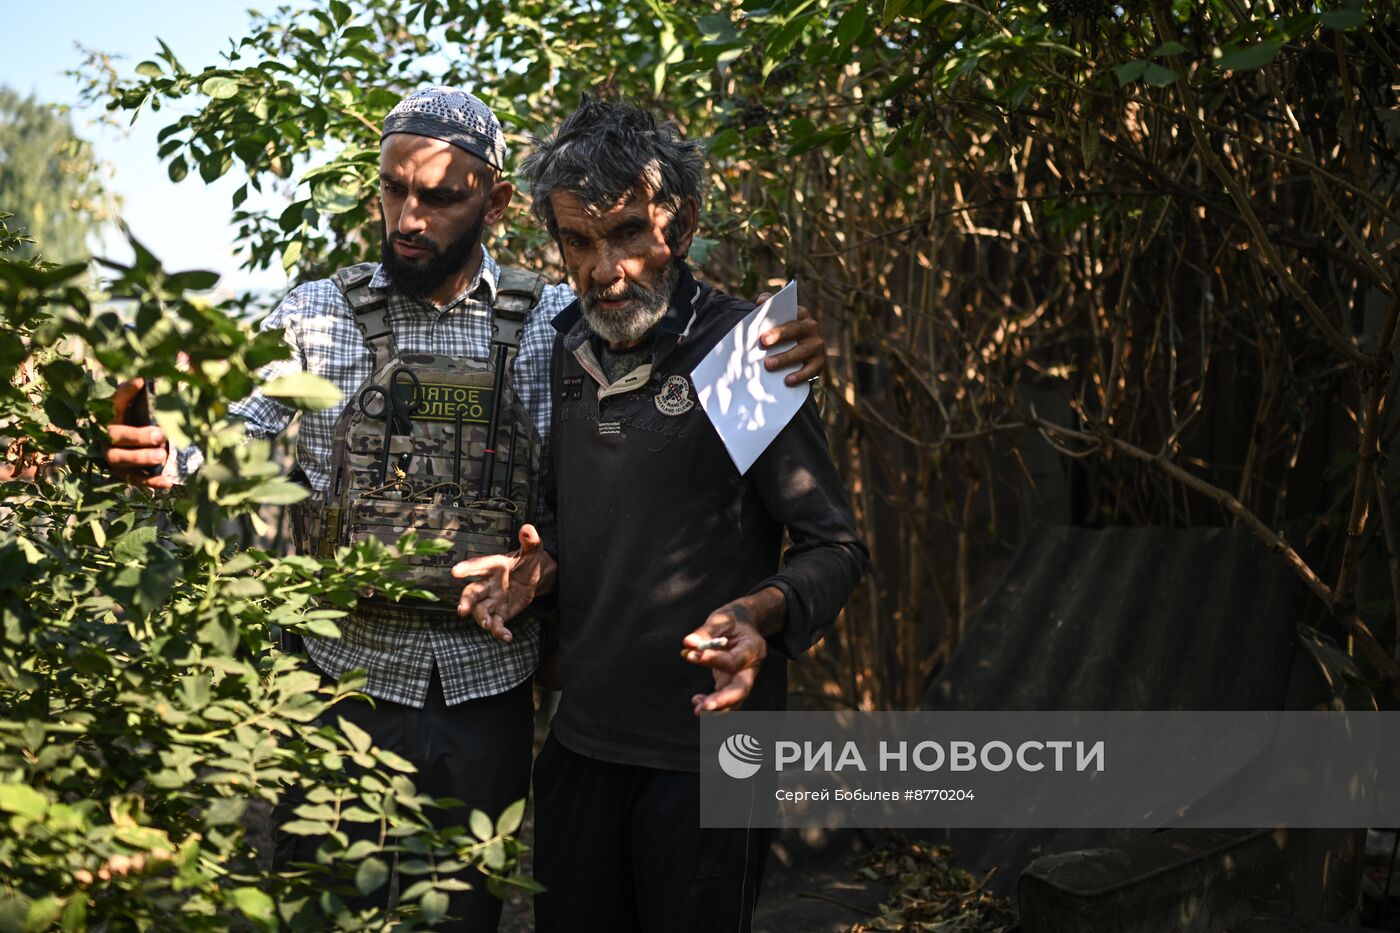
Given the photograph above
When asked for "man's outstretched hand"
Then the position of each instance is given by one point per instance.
(734, 665)
(502, 585)
(809, 354)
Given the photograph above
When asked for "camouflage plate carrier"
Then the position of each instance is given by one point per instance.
(430, 480)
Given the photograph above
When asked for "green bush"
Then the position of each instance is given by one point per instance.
(147, 723)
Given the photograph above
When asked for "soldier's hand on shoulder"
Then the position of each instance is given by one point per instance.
(809, 355)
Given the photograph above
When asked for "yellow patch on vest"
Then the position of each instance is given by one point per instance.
(442, 401)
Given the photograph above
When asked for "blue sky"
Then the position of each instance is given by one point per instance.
(186, 225)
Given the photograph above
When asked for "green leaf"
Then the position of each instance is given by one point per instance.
(304, 390)
(131, 547)
(852, 23)
(1168, 48)
(494, 856)
(1128, 72)
(292, 216)
(290, 254)
(256, 905)
(43, 912)
(892, 10)
(433, 906)
(322, 628)
(371, 875)
(728, 55)
(75, 914)
(238, 563)
(196, 691)
(1347, 18)
(222, 635)
(393, 759)
(23, 800)
(12, 350)
(178, 169)
(481, 825)
(527, 883)
(213, 168)
(149, 70)
(277, 492)
(168, 55)
(359, 849)
(225, 811)
(511, 817)
(782, 42)
(248, 588)
(827, 137)
(1247, 58)
(194, 280)
(336, 196)
(219, 87)
(360, 740)
(1159, 75)
(172, 421)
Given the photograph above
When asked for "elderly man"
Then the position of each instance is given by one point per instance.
(661, 545)
(443, 359)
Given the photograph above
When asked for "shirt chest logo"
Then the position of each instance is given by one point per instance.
(674, 397)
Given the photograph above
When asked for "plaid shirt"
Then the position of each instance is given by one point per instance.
(398, 650)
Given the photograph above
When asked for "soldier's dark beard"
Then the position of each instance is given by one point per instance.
(424, 276)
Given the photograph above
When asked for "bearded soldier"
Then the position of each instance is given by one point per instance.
(444, 361)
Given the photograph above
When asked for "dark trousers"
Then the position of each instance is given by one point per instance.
(620, 850)
(477, 752)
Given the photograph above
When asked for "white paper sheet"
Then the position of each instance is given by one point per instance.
(747, 404)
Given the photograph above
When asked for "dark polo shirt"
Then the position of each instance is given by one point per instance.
(656, 529)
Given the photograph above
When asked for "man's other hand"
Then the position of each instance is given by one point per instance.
(130, 450)
(735, 665)
(502, 585)
(810, 352)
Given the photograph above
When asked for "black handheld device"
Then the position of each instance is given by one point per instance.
(138, 415)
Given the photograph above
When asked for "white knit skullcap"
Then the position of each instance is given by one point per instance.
(455, 117)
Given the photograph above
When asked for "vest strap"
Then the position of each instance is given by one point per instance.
(517, 293)
(371, 309)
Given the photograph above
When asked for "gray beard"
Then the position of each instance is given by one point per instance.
(631, 324)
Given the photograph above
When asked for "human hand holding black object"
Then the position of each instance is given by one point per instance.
(502, 585)
(136, 449)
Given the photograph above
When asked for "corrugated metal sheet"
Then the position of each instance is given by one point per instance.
(1121, 619)
(1130, 619)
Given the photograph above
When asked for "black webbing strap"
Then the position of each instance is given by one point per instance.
(371, 308)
